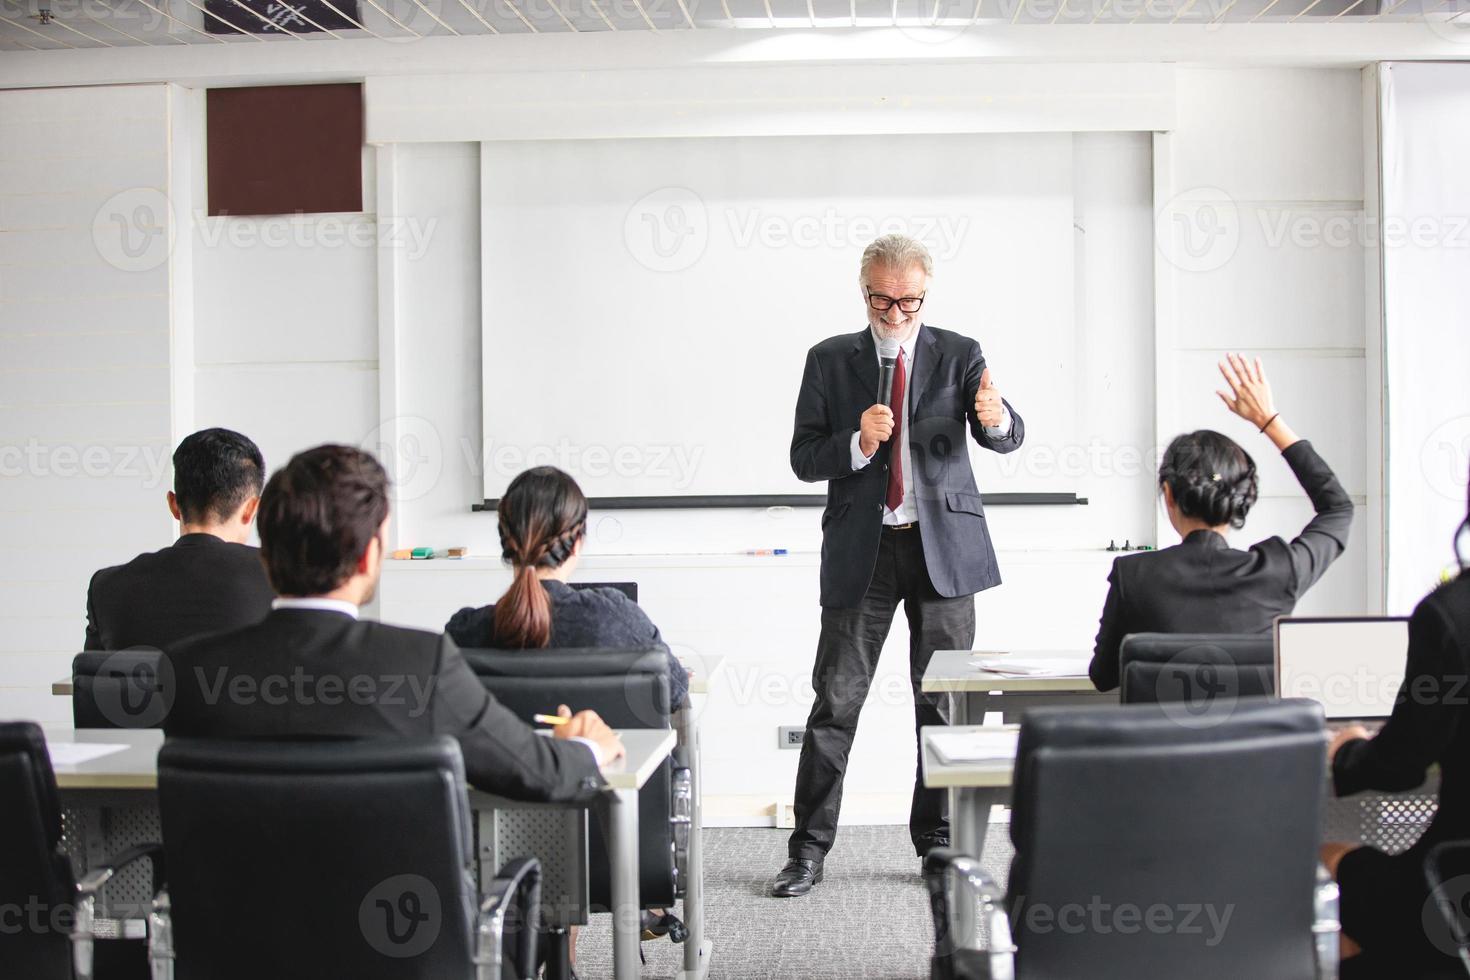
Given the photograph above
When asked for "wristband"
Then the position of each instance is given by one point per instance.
(1269, 421)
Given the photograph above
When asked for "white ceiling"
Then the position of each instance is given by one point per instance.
(79, 24)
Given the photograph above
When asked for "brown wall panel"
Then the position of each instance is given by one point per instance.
(284, 149)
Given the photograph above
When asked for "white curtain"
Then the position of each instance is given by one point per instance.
(1425, 235)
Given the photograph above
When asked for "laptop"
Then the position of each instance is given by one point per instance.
(1351, 665)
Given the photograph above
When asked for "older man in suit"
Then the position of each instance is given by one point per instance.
(904, 523)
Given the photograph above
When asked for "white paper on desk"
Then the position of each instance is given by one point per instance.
(1030, 666)
(76, 753)
(955, 747)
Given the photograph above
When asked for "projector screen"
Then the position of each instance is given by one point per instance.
(648, 304)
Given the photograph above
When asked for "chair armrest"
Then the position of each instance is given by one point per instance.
(1326, 926)
(943, 868)
(161, 939)
(517, 886)
(88, 888)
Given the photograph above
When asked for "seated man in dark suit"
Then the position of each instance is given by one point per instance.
(312, 669)
(208, 579)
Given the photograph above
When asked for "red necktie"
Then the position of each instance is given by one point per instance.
(895, 460)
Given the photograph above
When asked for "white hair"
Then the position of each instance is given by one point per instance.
(896, 252)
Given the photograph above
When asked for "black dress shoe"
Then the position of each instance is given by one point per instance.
(797, 878)
(926, 844)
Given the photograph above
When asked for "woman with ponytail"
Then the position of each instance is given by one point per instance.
(543, 522)
(1208, 483)
(1392, 925)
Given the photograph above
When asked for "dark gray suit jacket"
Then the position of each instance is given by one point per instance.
(840, 384)
(199, 584)
(305, 673)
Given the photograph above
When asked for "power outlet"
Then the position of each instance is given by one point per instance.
(785, 816)
(790, 736)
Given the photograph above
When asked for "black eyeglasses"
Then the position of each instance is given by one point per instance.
(881, 303)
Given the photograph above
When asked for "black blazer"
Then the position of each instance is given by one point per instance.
(200, 584)
(840, 384)
(591, 618)
(303, 673)
(1428, 723)
(1202, 585)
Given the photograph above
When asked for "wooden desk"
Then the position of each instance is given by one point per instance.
(974, 692)
(128, 779)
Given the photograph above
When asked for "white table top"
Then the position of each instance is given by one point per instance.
(978, 775)
(950, 672)
(136, 766)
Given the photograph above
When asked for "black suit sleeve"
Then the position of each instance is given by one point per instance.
(647, 634)
(93, 640)
(1425, 717)
(817, 453)
(1012, 440)
(1104, 667)
(502, 754)
(1326, 535)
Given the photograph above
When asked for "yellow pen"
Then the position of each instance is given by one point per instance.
(550, 719)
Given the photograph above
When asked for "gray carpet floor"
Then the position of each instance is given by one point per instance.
(869, 918)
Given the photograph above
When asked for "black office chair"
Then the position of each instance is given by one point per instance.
(1202, 671)
(331, 859)
(629, 589)
(629, 689)
(56, 937)
(120, 689)
(1447, 871)
(1126, 811)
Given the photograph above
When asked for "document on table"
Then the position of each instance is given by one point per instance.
(76, 753)
(961, 747)
(1031, 666)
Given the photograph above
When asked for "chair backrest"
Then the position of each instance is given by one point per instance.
(1195, 669)
(318, 859)
(36, 878)
(1147, 847)
(119, 689)
(629, 589)
(629, 689)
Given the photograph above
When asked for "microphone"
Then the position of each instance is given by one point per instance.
(887, 361)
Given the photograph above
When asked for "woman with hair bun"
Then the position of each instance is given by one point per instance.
(543, 522)
(1202, 585)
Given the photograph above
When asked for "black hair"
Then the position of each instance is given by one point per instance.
(543, 515)
(317, 516)
(1211, 477)
(215, 471)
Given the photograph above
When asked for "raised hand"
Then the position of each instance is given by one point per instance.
(988, 406)
(1250, 392)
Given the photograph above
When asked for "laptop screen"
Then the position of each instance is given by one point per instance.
(1353, 667)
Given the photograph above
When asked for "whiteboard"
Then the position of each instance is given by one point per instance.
(648, 304)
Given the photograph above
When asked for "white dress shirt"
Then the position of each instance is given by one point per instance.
(908, 511)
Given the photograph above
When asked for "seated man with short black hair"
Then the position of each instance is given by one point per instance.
(207, 580)
(312, 669)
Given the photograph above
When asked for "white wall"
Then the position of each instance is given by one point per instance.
(285, 309)
(761, 614)
(85, 330)
(288, 346)
(1261, 191)
(1426, 201)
